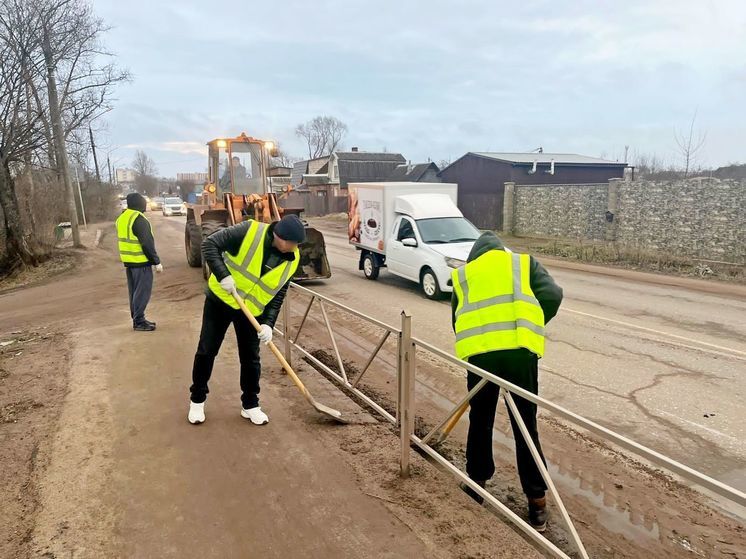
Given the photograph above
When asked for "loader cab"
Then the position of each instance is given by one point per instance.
(239, 165)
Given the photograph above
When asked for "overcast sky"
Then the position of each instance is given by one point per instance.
(430, 79)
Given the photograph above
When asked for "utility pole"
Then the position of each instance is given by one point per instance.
(95, 161)
(80, 195)
(108, 164)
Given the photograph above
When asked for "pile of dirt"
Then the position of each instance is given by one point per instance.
(33, 381)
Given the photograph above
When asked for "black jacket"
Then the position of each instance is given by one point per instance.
(546, 291)
(141, 230)
(229, 240)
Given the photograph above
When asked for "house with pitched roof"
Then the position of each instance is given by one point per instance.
(481, 178)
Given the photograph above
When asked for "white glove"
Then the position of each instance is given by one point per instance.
(228, 284)
(159, 268)
(265, 334)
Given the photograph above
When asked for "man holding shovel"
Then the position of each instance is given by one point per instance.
(257, 261)
(501, 302)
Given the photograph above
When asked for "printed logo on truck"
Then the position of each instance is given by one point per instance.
(366, 217)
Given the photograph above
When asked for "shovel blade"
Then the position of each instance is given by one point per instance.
(336, 415)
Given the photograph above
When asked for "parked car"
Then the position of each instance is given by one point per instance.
(174, 206)
(415, 230)
(156, 203)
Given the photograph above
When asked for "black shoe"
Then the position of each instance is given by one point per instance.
(148, 322)
(144, 327)
(537, 513)
(473, 494)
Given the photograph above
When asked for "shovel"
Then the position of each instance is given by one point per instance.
(331, 412)
(452, 422)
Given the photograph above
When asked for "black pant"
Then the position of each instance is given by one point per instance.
(216, 317)
(140, 286)
(520, 367)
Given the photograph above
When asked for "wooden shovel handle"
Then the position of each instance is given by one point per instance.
(273, 347)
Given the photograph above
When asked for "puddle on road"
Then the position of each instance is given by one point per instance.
(613, 512)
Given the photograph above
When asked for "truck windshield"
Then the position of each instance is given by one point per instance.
(441, 230)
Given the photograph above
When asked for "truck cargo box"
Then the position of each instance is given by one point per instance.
(373, 208)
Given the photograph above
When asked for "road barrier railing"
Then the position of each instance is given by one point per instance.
(407, 348)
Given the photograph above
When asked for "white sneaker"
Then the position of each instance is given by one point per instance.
(196, 413)
(255, 415)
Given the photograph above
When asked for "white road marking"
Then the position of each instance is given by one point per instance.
(728, 350)
(709, 429)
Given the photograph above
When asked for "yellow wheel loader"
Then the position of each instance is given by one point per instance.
(239, 188)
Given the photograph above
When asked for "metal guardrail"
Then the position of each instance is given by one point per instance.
(407, 346)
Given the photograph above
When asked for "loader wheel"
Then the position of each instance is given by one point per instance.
(370, 267)
(208, 228)
(193, 244)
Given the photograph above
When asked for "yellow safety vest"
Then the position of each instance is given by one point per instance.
(130, 249)
(255, 288)
(497, 309)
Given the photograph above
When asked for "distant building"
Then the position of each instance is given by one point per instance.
(330, 175)
(279, 171)
(125, 177)
(481, 178)
(419, 172)
(196, 178)
(361, 166)
(307, 167)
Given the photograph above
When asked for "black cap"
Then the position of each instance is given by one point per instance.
(291, 228)
(136, 201)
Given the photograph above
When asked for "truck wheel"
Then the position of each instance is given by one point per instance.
(429, 284)
(193, 244)
(208, 228)
(370, 267)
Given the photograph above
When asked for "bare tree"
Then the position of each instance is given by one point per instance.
(690, 145)
(322, 134)
(283, 159)
(19, 133)
(145, 173)
(78, 86)
(142, 164)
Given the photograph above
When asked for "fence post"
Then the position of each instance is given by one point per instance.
(612, 209)
(406, 390)
(509, 208)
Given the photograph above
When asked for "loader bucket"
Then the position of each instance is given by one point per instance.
(313, 261)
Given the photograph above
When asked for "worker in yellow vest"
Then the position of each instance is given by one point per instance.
(257, 261)
(500, 305)
(137, 253)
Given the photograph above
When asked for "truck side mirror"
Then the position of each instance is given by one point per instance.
(409, 242)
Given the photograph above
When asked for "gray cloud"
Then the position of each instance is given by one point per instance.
(431, 79)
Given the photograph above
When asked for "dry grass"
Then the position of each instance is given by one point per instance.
(631, 257)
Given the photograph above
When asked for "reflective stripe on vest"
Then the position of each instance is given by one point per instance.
(255, 288)
(130, 249)
(496, 308)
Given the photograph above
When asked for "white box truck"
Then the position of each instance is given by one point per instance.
(414, 229)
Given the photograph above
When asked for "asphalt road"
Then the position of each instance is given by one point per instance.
(664, 365)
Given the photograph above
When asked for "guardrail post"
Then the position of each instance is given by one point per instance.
(406, 390)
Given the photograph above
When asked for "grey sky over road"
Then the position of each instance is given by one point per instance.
(430, 79)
